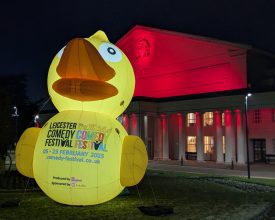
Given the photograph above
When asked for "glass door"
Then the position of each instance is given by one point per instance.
(209, 148)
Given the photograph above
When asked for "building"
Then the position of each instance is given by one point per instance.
(190, 94)
(189, 100)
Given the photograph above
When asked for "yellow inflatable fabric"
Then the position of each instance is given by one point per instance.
(83, 155)
(117, 77)
(77, 158)
(24, 151)
(133, 161)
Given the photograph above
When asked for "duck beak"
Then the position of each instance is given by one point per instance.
(84, 73)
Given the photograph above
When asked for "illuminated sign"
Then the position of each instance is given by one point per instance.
(77, 154)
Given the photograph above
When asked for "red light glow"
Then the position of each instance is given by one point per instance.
(169, 64)
(238, 117)
(227, 118)
(125, 122)
(218, 118)
(198, 121)
(179, 120)
(163, 122)
(134, 123)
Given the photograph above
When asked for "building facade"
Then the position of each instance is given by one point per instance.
(189, 100)
(190, 97)
(208, 129)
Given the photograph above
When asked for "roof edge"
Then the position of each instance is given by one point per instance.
(191, 36)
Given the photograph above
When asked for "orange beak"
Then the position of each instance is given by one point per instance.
(84, 73)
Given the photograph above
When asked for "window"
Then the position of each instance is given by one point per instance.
(223, 144)
(191, 119)
(223, 119)
(208, 144)
(191, 144)
(257, 117)
(208, 119)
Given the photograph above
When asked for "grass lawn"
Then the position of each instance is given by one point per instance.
(191, 197)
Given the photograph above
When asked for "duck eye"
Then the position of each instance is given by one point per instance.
(110, 52)
(59, 54)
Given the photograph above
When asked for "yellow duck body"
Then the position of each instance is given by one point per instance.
(83, 155)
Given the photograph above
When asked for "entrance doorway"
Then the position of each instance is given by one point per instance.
(259, 149)
(209, 153)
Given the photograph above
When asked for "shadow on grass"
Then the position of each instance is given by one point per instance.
(191, 198)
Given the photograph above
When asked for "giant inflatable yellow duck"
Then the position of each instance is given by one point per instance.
(83, 155)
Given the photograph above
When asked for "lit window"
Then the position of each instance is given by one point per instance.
(223, 119)
(208, 119)
(191, 144)
(191, 119)
(208, 144)
(223, 144)
(257, 117)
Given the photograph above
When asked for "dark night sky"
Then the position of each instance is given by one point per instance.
(32, 32)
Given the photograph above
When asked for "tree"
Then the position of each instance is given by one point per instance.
(13, 93)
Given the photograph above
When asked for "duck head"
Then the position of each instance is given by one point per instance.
(91, 74)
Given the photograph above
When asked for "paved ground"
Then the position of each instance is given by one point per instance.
(259, 170)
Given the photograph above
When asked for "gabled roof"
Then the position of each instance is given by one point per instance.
(169, 64)
(185, 35)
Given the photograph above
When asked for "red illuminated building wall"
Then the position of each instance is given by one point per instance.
(169, 64)
(178, 75)
(190, 94)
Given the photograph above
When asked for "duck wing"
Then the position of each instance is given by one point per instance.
(134, 161)
(24, 151)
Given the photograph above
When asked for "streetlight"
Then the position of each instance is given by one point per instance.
(15, 115)
(36, 121)
(246, 128)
